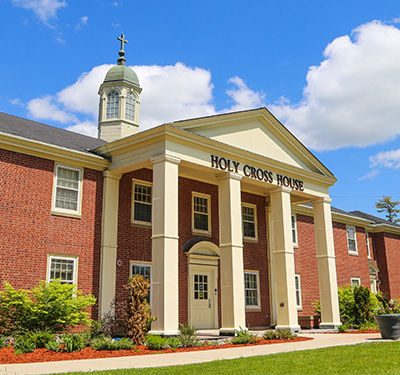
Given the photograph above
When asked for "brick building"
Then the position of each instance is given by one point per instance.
(229, 217)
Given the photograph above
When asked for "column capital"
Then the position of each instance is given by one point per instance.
(322, 200)
(228, 175)
(165, 157)
(112, 175)
(281, 189)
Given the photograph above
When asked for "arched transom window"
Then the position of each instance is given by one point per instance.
(112, 104)
(130, 107)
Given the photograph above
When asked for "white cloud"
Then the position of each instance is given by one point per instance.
(352, 98)
(243, 97)
(370, 175)
(44, 108)
(82, 22)
(87, 128)
(44, 9)
(388, 159)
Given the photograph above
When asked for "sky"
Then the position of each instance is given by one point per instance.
(328, 70)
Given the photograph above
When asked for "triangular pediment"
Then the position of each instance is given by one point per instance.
(259, 132)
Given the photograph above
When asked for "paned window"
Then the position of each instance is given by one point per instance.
(368, 245)
(130, 106)
(142, 202)
(351, 239)
(294, 229)
(67, 189)
(143, 269)
(200, 286)
(63, 268)
(297, 286)
(112, 105)
(251, 288)
(201, 212)
(249, 215)
(355, 281)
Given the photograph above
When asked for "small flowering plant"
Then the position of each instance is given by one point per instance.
(387, 307)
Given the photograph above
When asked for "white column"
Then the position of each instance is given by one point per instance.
(231, 261)
(109, 237)
(283, 260)
(164, 271)
(330, 316)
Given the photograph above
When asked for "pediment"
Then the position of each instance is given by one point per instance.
(259, 132)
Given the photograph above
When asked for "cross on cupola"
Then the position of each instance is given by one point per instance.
(121, 60)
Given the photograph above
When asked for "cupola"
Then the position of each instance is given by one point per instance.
(119, 100)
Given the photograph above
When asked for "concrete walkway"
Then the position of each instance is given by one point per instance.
(320, 340)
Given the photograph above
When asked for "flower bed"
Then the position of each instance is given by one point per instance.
(7, 355)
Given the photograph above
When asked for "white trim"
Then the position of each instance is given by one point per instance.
(74, 258)
(141, 264)
(298, 291)
(63, 211)
(204, 196)
(254, 207)
(352, 239)
(293, 225)
(356, 280)
(258, 306)
(144, 183)
(368, 245)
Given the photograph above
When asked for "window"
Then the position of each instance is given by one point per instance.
(368, 245)
(294, 229)
(64, 268)
(252, 294)
(67, 190)
(112, 105)
(249, 216)
(143, 269)
(297, 286)
(355, 281)
(351, 239)
(130, 106)
(141, 212)
(201, 213)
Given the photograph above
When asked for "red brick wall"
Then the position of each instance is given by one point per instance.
(29, 232)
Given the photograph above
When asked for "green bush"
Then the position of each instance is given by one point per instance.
(285, 335)
(174, 343)
(155, 342)
(2, 342)
(270, 335)
(73, 342)
(187, 336)
(53, 345)
(243, 336)
(343, 328)
(39, 338)
(53, 307)
(24, 345)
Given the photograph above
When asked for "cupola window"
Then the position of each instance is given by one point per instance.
(112, 104)
(130, 107)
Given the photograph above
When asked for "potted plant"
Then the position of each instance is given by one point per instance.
(388, 318)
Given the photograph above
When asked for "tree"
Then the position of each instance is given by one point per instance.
(387, 205)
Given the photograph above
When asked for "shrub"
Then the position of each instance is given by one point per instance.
(137, 309)
(123, 344)
(285, 335)
(243, 336)
(73, 342)
(24, 345)
(3, 342)
(187, 336)
(53, 307)
(174, 342)
(155, 342)
(39, 338)
(270, 335)
(53, 345)
(102, 343)
(343, 328)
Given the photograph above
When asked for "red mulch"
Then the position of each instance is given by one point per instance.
(370, 331)
(7, 355)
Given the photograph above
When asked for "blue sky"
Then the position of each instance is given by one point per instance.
(330, 71)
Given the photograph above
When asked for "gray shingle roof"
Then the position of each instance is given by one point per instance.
(48, 134)
(373, 219)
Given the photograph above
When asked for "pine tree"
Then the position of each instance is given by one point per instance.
(387, 205)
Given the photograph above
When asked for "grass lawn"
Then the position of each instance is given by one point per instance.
(373, 358)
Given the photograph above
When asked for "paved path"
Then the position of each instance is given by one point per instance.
(320, 340)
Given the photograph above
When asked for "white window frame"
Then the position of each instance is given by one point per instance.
(133, 263)
(254, 207)
(127, 104)
(257, 274)
(204, 196)
(368, 245)
(293, 225)
(63, 211)
(52, 257)
(108, 117)
(143, 183)
(298, 291)
(355, 280)
(352, 239)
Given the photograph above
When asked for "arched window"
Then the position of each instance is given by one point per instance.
(112, 104)
(130, 107)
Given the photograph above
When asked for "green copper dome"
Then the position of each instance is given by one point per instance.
(121, 73)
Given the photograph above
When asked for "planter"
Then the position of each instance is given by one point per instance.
(389, 325)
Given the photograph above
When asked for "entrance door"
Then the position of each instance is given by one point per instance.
(202, 297)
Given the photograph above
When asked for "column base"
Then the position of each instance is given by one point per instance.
(164, 333)
(227, 331)
(331, 326)
(293, 328)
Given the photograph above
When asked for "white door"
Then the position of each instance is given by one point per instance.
(202, 297)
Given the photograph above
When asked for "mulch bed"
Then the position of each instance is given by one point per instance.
(7, 355)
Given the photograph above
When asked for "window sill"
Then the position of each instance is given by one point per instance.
(253, 309)
(353, 253)
(201, 233)
(141, 224)
(75, 215)
(250, 239)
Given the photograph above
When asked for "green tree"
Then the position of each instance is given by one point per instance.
(388, 205)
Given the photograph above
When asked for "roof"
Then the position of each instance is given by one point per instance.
(121, 73)
(373, 219)
(47, 134)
